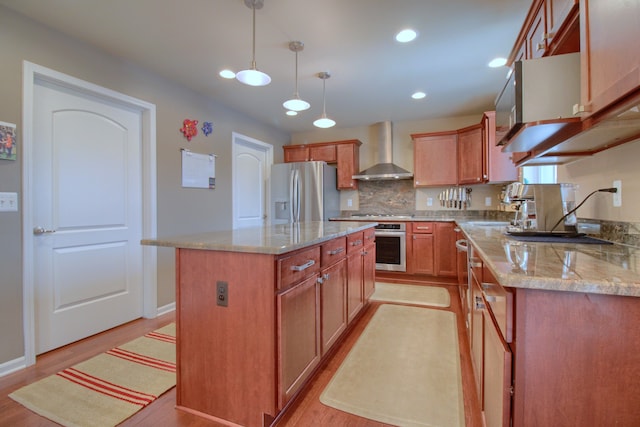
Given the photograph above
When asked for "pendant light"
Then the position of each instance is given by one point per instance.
(295, 103)
(252, 76)
(324, 121)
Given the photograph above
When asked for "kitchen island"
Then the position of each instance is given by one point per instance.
(553, 330)
(257, 309)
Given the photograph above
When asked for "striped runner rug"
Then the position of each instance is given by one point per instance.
(108, 388)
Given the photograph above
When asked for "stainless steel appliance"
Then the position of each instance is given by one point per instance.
(391, 246)
(303, 191)
(542, 207)
(538, 90)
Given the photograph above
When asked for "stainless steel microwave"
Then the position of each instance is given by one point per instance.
(536, 91)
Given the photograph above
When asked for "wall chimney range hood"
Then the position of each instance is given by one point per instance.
(384, 169)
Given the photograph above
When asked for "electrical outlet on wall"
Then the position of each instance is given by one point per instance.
(617, 196)
(429, 201)
(487, 201)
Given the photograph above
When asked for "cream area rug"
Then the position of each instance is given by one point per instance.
(411, 294)
(404, 370)
(108, 388)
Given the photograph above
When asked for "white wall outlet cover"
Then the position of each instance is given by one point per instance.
(349, 202)
(617, 196)
(429, 201)
(487, 201)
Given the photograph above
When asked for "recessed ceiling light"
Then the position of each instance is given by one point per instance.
(227, 74)
(407, 35)
(418, 95)
(291, 113)
(497, 62)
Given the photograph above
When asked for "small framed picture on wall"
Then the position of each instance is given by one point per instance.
(7, 141)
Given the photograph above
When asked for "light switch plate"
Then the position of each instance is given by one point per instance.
(8, 202)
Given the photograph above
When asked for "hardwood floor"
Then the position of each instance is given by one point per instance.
(306, 409)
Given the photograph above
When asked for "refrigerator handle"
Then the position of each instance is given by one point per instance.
(297, 197)
(292, 175)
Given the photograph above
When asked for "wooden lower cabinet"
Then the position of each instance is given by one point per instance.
(422, 254)
(333, 303)
(444, 247)
(496, 387)
(369, 269)
(299, 338)
(355, 288)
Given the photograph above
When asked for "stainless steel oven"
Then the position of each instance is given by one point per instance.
(391, 246)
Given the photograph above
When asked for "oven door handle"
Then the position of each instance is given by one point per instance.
(390, 233)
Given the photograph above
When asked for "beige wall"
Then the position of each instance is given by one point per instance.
(599, 171)
(179, 210)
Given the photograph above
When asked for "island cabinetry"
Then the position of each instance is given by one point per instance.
(346, 154)
(299, 338)
(253, 327)
(361, 260)
(369, 264)
(435, 159)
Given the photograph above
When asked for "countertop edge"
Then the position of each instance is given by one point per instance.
(196, 241)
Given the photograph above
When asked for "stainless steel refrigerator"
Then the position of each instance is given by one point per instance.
(303, 191)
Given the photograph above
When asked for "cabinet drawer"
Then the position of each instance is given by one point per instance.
(355, 241)
(422, 227)
(298, 266)
(500, 302)
(333, 251)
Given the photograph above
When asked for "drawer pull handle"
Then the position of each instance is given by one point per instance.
(423, 228)
(336, 251)
(303, 266)
(356, 242)
(476, 264)
(479, 304)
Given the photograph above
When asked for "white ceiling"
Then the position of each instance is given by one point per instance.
(372, 75)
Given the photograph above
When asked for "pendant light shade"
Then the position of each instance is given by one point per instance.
(324, 121)
(295, 103)
(252, 76)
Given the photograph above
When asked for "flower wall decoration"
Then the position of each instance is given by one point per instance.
(207, 128)
(189, 128)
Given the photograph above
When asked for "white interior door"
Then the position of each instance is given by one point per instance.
(252, 161)
(87, 214)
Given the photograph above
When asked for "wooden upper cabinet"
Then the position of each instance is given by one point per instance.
(325, 153)
(435, 159)
(610, 30)
(295, 153)
(470, 155)
(535, 41)
(348, 154)
(497, 166)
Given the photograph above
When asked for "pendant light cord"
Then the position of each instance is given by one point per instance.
(253, 52)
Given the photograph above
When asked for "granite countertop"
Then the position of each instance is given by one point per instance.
(612, 269)
(274, 239)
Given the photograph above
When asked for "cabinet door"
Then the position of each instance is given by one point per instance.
(299, 338)
(499, 166)
(355, 291)
(333, 303)
(445, 257)
(557, 12)
(324, 153)
(470, 155)
(435, 160)
(609, 34)
(477, 335)
(348, 163)
(536, 44)
(296, 153)
(422, 254)
(369, 270)
(497, 376)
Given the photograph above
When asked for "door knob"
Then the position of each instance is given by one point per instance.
(39, 230)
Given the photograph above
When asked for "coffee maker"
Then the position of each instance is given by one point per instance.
(540, 208)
